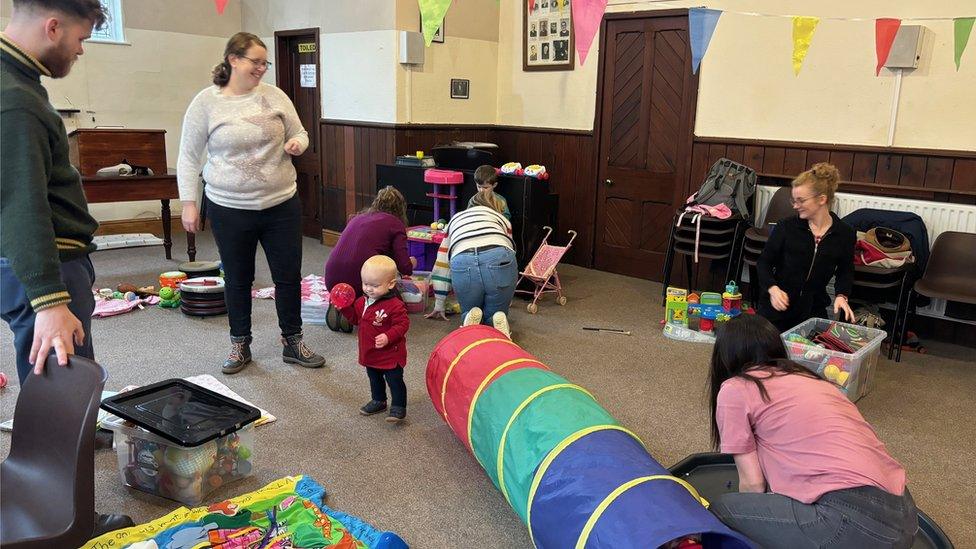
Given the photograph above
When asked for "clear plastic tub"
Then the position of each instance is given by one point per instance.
(851, 372)
(188, 475)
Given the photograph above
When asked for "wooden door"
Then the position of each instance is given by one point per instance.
(645, 129)
(297, 52)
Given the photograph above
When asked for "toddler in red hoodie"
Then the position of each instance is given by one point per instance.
(383, 324)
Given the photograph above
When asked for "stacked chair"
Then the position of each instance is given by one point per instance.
(715, 239)
(754, 240)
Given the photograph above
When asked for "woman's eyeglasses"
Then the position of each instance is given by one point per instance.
(801, 201)
(259, 64)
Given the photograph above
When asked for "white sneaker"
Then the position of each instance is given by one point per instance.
(500, 321)
(473, 318)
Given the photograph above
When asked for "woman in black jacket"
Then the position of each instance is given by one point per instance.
(804, 252)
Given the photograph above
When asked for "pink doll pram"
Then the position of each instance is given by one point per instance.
(541, 270)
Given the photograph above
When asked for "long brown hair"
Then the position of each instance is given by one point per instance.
(745, 346)
(237, 45)
(487, 198)
(391, 201)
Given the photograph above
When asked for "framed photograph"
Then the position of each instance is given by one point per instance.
(548, 36)
(459, 88)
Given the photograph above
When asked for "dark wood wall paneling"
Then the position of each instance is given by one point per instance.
(351, 151)
(946, 176)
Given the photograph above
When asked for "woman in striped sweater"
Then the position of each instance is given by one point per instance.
(477, 257)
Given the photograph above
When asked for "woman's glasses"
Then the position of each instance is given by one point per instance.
(257, 63)
(801, 201)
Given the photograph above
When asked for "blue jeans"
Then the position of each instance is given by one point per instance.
(863, 517)
(484, 279)
(15, 309)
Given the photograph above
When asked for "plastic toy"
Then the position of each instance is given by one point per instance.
(511, 168)
(171, 279)
(342, 295)
(3, 380)
(537, 171)
(676, 308)
(540, 438)
(449, 178)
(732, 299)
(541, 271)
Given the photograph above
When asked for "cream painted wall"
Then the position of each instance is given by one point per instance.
(357, 51)
(146, 84)
(469, 51)
(747, 88)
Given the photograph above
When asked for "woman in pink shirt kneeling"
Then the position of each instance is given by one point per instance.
(812, 471)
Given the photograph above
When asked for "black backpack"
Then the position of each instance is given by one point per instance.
(728, 183)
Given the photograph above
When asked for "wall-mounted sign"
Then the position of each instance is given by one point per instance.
(307, 76)
(306, 47)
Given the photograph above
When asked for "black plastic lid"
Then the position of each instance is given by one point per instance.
(182, 412)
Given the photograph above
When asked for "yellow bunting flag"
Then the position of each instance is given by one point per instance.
(803, 28)
(432, 14)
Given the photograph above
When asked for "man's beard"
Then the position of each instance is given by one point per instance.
(58, 62)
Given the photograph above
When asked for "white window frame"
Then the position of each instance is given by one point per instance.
(114, 32)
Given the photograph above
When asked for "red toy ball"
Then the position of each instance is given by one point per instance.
(342, 295)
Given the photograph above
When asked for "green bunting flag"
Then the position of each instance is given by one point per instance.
(963, 28)
(432, 14)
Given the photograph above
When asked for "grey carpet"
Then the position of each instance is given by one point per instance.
(417, 479)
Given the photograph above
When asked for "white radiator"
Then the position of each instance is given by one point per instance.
(938, 217)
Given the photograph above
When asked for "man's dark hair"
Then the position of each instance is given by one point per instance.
(91, 10)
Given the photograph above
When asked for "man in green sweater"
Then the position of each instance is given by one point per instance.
(45, 228)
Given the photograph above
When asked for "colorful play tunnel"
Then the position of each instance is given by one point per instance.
(575, 476)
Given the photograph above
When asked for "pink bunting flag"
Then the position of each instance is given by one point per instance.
(221, 4)
(884, 36)
(587, 15)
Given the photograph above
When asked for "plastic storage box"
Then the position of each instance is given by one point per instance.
(851, 372)
(181, 441)
(188, 475)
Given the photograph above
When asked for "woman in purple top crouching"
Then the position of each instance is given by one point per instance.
(812, 471)
(380, 229)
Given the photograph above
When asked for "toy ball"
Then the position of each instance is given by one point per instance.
(831, 372)
(441, 226)
(842, 378)
(342, 295)
(243, 468)
(215, 481)
(434, 225)
(244, 452)
(3, 380)
(130, 296)
(166, 292)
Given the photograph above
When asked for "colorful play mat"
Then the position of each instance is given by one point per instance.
(289, 512)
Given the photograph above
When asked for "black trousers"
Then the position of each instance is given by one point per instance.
(279, 230)
(379, 379)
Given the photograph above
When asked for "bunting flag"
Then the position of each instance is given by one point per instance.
(803, 28)
(432, 14)
(701, 25)
(963, 27)
(221, 4)
(884, 36)
(530, 5)
(587, 15)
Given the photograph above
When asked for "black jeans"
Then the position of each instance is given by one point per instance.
(394, 378)
(865, 517)
(279, 230)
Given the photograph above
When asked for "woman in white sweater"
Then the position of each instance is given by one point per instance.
(477, 257)
(241, 134)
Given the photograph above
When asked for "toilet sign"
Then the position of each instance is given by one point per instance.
(306, 47)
